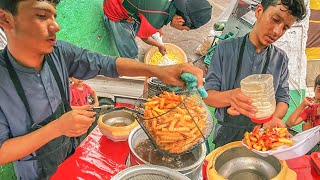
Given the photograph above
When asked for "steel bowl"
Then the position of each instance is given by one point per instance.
(117, 117)
(239, 163)
(144, 172)
(108, 122)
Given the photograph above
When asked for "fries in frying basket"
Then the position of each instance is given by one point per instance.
(265, 139)
(175, 127)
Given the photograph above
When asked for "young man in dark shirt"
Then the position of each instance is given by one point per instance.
(254, 53)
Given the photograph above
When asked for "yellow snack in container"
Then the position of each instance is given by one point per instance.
(157, 58)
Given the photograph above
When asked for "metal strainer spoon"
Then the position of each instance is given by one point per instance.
(166, 60)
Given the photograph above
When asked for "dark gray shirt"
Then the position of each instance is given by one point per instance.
(42, 92)
(222, 70)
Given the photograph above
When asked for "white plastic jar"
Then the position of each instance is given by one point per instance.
(259, 87)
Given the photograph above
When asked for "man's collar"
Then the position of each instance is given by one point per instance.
(252, 47)
(19, 67)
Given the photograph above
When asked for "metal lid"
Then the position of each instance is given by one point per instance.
(147, 172)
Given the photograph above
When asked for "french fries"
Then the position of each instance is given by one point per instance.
(267, 139)
(174, 127)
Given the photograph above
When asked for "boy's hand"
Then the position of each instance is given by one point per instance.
(308, 124)
(308, 101)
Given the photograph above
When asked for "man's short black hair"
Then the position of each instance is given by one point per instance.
(296, 8)
(11, 5)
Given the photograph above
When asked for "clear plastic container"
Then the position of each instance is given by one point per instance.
(259, 87)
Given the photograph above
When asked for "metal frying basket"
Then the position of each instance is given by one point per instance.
(185, 121)
(155, 87)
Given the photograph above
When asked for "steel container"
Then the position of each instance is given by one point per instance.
(107, 122)
(193, 171)
(234, 161)
(148, 172)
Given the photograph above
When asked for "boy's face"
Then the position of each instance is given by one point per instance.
(272, 23)
(33, 27)
(76, 81)
(317, 93)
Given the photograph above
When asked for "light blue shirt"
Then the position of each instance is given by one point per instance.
(42, 92)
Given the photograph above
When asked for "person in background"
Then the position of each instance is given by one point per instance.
(254, 53)
(127, 19)
(42, 130)
(82, 94)
(308, 111)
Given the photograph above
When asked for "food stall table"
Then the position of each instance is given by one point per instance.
(304, 168)
(97, 157)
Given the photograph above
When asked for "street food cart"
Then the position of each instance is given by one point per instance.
(99, 157)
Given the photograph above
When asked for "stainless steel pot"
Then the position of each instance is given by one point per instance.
(144, 172)
(233, 161)
(239, 163)
(193, 171)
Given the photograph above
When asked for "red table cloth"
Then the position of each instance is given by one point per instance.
(97, 157)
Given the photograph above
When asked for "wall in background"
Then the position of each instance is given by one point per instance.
(82, 24)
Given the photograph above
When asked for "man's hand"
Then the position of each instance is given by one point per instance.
(171, 74)
(75, 123)
(177, 22)
(241, 104)
(161, 31)
(162, 49)
(276, 123)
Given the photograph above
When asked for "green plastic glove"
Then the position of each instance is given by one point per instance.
(190, 81)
